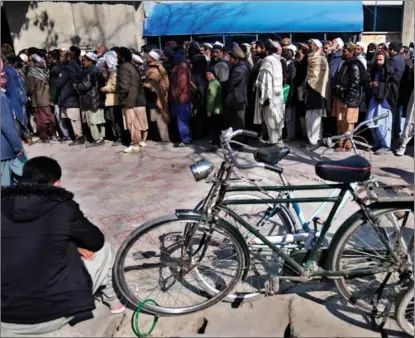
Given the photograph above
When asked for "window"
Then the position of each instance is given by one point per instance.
(382, 18)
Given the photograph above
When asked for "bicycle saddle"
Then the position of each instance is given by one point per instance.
(349, 170)
(271, 155)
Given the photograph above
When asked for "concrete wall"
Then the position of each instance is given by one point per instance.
(62, 24)
(408, 26)
(379, 37)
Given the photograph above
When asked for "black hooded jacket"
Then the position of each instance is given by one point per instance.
(70, 74)
(43, 275)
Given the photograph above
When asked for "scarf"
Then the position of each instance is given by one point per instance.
(39, 70)
(318, 74)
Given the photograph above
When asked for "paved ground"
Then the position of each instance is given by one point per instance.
(118, 192)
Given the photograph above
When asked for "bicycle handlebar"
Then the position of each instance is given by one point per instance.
(228, 135)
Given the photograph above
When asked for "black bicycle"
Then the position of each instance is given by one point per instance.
(191, 260)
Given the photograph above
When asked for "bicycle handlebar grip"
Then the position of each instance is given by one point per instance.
(250, 133)
(380, 117)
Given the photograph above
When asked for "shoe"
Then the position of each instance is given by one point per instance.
(131, 149)
(98, 143)
(116, 309)
(116, 143)
(382, 151)
(54, 139)
(181, 145)
(401, 151)
(142, 144)
(163, 143)
(65, 139)
(77, 142)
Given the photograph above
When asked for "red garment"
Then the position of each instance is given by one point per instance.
(180, 83)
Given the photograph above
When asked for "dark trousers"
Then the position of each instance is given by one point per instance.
(216, 125)
(236, 120)
(45, 123)
(113, 116)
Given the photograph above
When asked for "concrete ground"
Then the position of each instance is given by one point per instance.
(118, 192)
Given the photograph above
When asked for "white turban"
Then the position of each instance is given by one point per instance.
(137, 58)
(219, 43)
(154, 55)
(293, 48)
(317, 42)
(339, 42)
(111, 60)
(23, 57)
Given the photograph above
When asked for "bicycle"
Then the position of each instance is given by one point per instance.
(280, 215)
(206, 243)
(405, 310)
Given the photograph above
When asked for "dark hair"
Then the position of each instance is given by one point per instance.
(41, 170)
(260, 43)
(125, 54)
(405, 49)
(31, 51)
(55, 54)
(23, 51)
(42, 53)
(75, 51)
(269, 46)
(146, 49)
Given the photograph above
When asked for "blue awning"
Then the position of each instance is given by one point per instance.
(194, 18)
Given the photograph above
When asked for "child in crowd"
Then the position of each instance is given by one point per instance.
(214, 108)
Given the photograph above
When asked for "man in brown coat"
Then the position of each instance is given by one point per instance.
(132, 100)
(38, 90)
(157, 92)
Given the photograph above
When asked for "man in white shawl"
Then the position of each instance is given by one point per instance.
(269, 105)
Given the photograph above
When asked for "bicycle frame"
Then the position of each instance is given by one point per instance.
(310, 270)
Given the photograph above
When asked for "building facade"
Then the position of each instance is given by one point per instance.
(60, 24)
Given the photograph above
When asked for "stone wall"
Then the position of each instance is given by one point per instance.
(62, 24)
(379, 37)
(408, 22)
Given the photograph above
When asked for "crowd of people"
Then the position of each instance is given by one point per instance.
(191, 91)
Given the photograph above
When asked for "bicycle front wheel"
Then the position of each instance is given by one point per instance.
(151, 264)
(405, 311)
(269, 220)
(388, 244)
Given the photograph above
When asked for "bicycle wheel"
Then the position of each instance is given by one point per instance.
(359, 245)
(405, 311)
(263, 261)
(149, 264)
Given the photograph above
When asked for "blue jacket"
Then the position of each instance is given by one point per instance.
(70, 74)
(397, 64)
(10, 140)
(335, 63)
(16, 92)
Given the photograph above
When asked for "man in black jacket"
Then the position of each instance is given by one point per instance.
(53, 59)
(71, 74)
(92, 99)
(348, 91)
(236, 89)
(52, 258)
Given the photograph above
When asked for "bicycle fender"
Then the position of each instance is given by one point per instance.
(230, 228)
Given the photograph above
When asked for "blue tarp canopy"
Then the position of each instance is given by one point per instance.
(194, 18)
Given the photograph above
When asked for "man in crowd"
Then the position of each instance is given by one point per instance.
(336, 56)
(54, 71)
(236, 97)
(270, 104)
(214, 108)
(348, 91)
(220, 64)
(397, 64)
(53, 258)
(360, 54)
(156, 86)
(38, 91)
(206, 50)
(318, 91)
(69, 105)
(180, 96)
(92, 99)
(327, 48)
(132, 100)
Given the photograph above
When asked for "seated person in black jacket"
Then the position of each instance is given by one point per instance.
(52, 258)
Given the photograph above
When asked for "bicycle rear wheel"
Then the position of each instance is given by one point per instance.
(359, 245)
(405, 311)
(149, 264)
(269, 221)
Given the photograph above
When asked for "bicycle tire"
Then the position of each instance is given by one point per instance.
(287, 220)
(125, 291)
(341, 237)
(406, 300)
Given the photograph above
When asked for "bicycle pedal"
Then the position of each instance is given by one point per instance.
(272, 286)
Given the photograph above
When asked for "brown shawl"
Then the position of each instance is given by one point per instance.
(157, 81)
